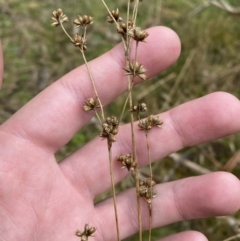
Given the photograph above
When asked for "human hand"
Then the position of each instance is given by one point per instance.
(43, 200)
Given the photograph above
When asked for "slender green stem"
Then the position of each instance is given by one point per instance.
(113, 189)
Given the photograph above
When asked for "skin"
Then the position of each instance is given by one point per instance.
(42, 200)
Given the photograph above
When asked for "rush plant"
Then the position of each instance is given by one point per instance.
(132, 37)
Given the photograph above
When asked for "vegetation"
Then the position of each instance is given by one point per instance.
(35, 57)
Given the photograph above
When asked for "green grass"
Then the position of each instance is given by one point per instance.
(37, 54)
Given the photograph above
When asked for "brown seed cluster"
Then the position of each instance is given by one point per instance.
(138, 34)
(136, 69)
(127, 162)
(91, 104)
(140, 107)
(114, 16)
(123, 28)
(80, 42)
(83, 21)
(150, 122)
(88, 231)
(110, 129)
(146, 189)
(126, 28)
(58, 17)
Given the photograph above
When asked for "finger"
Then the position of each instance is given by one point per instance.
(192, 123)
(191, 198)
(187, 235)
(1, 65)
(55, 115)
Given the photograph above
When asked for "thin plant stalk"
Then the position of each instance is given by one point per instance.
(88, 69)
(64, 30)
(139, 209)
(113, 189)
(150, 223)
(135, 12)
(128, 40)
(232, 238)
(137, 180)
(93, 84)
(151, 178)
(125, 103)
(99, 119)
(130, 88)
(109, 12)
(117, 25)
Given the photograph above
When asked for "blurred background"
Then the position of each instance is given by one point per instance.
(37, 54)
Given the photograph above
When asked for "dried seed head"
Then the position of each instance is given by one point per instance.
(136, 69)
(141, 107)
(157, 122)
(58, 17)
(148, 123)
(122, 29)
(91, 104)
(112, 121)
(127, 162)
(146, 189)
(80, 42)
(115, 15)
(111, 138)
(88, 231)
(115, 130)
(138, 34)
(149, 182)
(83, 21)
(110, 129)
(145, 125)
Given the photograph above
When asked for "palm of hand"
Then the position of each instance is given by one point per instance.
(43, 200)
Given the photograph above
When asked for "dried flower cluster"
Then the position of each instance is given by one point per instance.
(91, 104)
(127, 162)
(123, 28)
(146, 189)
(150, 122)
(130, 33)
(126, 28)
(140, 107)
(138, 34)
(135, 69)
(88, 231)
(114, 16)
(110, 129)
(83, 21)
(58, 17)
(80, 42)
